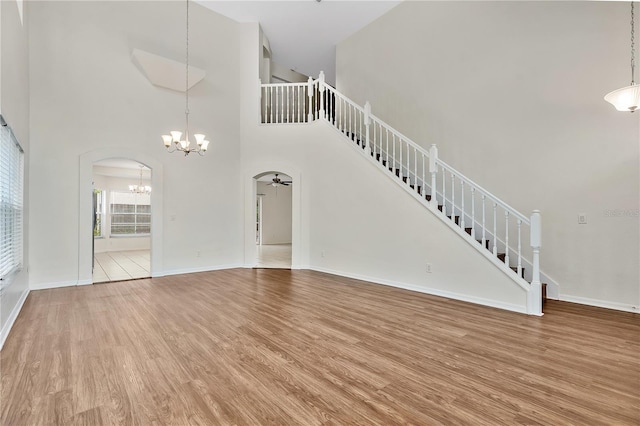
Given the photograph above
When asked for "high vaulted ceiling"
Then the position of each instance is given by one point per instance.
(303, 34)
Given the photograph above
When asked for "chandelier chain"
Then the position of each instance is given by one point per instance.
(186, 91)
(633, 47)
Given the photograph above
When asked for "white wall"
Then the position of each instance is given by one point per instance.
(106, 242)
(512, 93)
(98, 101)
(14, 106)
(276, 213)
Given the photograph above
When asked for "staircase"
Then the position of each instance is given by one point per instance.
(503, 235)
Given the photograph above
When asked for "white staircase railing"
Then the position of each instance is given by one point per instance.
(501, 232)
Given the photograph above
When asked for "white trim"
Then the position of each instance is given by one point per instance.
(599, 303)
(59, 284)
(432, 291)
(12, 318)
(202, 269)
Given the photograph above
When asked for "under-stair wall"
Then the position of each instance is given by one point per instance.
(357, 222)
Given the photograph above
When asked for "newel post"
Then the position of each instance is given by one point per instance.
(310, 95)
(433, 169)
(321, 91)
(534, 298)
(367, 122)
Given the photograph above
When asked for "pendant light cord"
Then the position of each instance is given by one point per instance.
(186, 91)
(633, 47)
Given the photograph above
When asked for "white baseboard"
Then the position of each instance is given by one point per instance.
(12, 318)
(427, 290)
(599, 303)
(59, 284)
(202, 269)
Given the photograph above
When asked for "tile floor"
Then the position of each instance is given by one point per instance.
(274, 256)
(121, 265)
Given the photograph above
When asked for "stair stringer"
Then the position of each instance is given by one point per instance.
(532, 293)
(398, 231)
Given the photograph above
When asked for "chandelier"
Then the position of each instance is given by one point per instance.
(627, 98)
(140, 188)
(174, 139)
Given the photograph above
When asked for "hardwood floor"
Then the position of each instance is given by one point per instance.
(260, 346)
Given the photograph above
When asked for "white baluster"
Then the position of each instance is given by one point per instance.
(415, 170)
(298, 109)
(424, 183)
(321, 88)
(433, 169)
(282, 107)
(495, 228)
(277, 97)
(462, 204)
(519, 249)
(473, 212)
(484, 226)
(360, 135)
(506, 238)
(394, 153)
(444, 192)
(288, 102)
(367, 124)
(387, 132)
(453, 197)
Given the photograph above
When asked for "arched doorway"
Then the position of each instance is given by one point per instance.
(273, 202)
(86, 209)
(299, 240)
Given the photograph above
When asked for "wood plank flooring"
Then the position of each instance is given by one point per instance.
(260, 346)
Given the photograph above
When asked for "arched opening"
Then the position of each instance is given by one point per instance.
(86, 215)
(273, 219)
(122, 195)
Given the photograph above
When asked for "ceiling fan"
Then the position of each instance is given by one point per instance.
(277, 181)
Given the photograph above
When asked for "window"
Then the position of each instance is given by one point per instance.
(11, 204)
(98, 203)
(130, 214)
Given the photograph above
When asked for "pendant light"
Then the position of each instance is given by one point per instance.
(627, 98)
(184, 145)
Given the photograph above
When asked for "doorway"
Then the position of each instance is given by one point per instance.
(121, 231)
(274, 195)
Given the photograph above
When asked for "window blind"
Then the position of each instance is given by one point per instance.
(11, 204)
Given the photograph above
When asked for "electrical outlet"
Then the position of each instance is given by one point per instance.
(429, 268)
(582, 218)
(172, 218)
(322, 253)
(198, 253)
